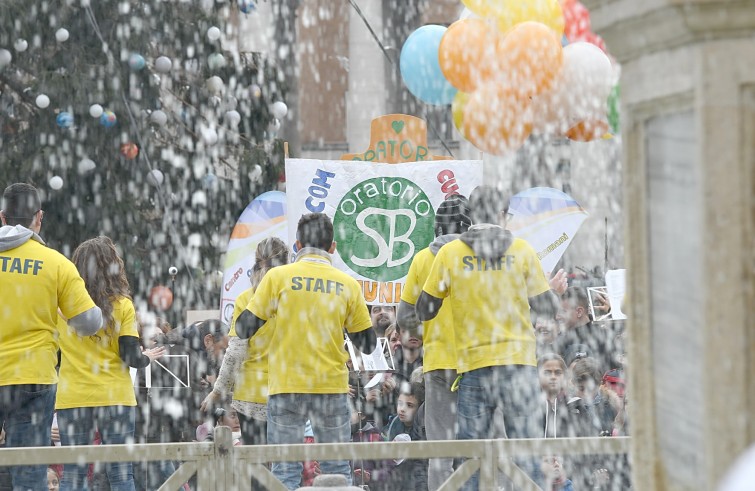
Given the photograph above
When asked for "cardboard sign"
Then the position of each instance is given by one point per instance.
(396, 138)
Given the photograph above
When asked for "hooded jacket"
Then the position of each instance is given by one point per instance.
(13, 237)
(488, 241)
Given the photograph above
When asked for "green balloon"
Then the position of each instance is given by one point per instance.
(613, 108)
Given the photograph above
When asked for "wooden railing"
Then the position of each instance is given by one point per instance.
(220, 466)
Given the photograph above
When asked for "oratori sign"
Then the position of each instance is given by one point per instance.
(396, 138)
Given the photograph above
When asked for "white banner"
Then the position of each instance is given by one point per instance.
(383, 214)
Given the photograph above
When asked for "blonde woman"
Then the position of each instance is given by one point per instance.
(244, 370)
(95, 390)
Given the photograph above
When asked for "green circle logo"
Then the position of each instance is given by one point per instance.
(380, 224)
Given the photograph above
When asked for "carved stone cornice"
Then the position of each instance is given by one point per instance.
(632, 28)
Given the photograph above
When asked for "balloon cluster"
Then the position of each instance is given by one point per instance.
(506, 72)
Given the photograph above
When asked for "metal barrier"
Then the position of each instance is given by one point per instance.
(220, 466)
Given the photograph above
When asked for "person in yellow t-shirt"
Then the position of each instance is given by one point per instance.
(35, 283)
(312, 302)
(451, 219)
(95, 389)
(245, 364)
(491, 280)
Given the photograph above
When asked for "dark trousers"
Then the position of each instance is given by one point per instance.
(26, 412)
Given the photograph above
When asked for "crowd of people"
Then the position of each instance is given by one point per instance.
(482, 345)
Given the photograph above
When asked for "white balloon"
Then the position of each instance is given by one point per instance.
(163, 64)
(210, 136)
(279, 109)
(256, 173)
(580, 92)
(233, 117)
(215, 84)
(85, 165)
(61, 35)
(5, 58)
(216, 61)
(56, 182)
(158, 117)
(213, 33)
(42, 101)
(255, 91)
(155, 177)
(21, 45)
(274, 126)
(95, 110)
(199, 198)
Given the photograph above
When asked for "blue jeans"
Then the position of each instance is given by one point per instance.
(512, 389)
(27, 412)
(287, 415)
(116, 427)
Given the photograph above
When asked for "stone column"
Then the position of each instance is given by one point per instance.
(367, 95)
(688, 129)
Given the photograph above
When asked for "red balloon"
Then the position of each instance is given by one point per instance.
(161, 297)
(576, 19)
(129, 150)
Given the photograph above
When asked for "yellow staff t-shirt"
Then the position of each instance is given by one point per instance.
(251, 384)
(34, 282)
(438, 334)
(489, 302)
(92, 373)
(312, 302)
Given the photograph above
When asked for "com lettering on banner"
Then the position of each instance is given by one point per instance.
(383, 214)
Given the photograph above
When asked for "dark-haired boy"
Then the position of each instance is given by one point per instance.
(451, 219)
(313, 302)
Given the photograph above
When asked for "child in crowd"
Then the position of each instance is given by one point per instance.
(53, 480)
(222, 417)
(555, 474)
(558, 414)
(408, 425)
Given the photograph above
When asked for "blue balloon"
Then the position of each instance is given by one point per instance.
(136, 61)
(420, 67)
(108, 119)
(247, 6)
(64, 119)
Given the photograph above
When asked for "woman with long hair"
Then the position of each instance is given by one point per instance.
(95, 390)
(244, 369)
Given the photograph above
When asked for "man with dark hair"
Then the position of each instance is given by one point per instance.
(313, 303)
(451, 219)
(382, 316)
(315, 230)
(491, 281)
(578, 330)
(35, 283)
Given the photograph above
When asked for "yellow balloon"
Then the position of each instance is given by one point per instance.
(483, 8)
(509, 13)
(457, 110)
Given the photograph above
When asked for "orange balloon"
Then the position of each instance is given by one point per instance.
(586, 131)
(530, 58)
(161, 297)
(497, 120)
(467, 53)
